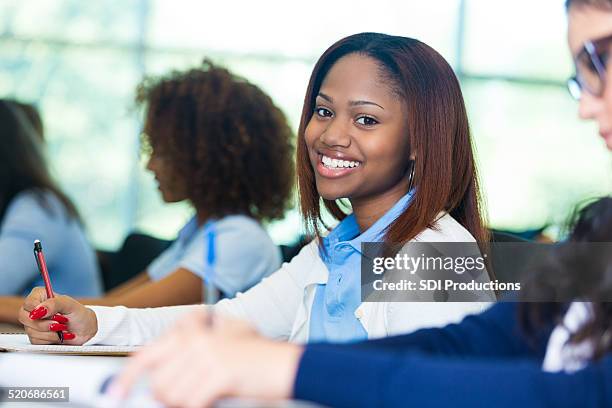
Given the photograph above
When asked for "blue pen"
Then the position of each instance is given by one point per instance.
(210, 293)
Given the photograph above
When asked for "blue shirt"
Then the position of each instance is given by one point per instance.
(333, 310)
(71, 261)
(245, 254)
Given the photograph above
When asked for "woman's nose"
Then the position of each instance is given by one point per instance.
(590, 106)
(337, 133)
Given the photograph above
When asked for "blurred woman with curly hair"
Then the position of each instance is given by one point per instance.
(214, 140)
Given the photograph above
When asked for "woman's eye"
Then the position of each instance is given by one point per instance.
(323, 112)
(366, 121)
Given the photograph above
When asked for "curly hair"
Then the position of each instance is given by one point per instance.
(226, 139)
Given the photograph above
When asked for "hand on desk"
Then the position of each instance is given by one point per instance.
(196, 363)
(42, 318)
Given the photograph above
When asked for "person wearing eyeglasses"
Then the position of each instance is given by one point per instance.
(516, 355)
(590, 41)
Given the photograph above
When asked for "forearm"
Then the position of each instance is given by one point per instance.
(128, 286)
(124, 326)
(130, 299)
(101, 301)
(9, 309)
(260, 306)
(180, 287)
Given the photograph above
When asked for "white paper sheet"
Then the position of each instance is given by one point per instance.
(20, 342)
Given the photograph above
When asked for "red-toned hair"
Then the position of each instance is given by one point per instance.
(439, 136)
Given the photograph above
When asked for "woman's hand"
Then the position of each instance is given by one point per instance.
(42, 318)
(199, 362)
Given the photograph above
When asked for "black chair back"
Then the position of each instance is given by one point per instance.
(136, 253)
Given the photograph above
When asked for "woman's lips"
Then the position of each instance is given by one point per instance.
(329, 171)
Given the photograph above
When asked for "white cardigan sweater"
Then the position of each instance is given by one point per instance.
(280, 305)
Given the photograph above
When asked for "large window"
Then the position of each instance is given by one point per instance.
(80, 61)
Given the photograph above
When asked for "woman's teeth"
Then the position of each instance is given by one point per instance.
(338, 164)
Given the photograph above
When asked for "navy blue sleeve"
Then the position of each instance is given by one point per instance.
(485, 360)
(348, 377)
(494, 333)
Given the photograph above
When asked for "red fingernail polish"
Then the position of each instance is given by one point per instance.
(59, 318)
(69, 336)
(57, 327)
(37, 313)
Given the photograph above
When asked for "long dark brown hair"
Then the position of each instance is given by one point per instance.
(579, 270)
(439, 136)
(23, 165)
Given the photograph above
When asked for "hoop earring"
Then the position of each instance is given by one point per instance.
(411, 175)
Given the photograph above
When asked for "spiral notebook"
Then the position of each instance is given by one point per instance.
(20, 343)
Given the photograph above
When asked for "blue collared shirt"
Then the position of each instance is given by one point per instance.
(244, 254)
(333, 311)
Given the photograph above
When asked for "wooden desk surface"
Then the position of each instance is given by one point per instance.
(10, 328)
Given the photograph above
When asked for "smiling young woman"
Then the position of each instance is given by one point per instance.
(413, 130)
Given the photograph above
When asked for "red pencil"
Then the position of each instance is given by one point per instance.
(42, 268)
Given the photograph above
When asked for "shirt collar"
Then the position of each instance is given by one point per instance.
(188, 230)
(348, 229)
(376, 232)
